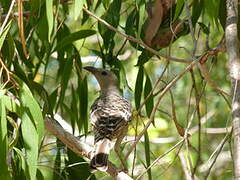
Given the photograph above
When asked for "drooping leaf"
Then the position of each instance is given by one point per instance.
(196, 11)
(32, 111)
(4, 34)
(83, 99)
(57, 162)
(144, 57)
(112, 16)
(142, 16)
(22, 165)
(49, 11)
(178, 10)
(65, 79)
(222, 12)
(204, 28)
(139, 87)
(78, 5)
(3, 142)
(147, 154)
(74, 37)
(31, 142)
(81, 167)
(147, 89)
(74, 108)
(131, 27)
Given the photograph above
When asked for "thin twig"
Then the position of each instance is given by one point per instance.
(7, 16)
(136, 40)
(160, 157)
(173, 82)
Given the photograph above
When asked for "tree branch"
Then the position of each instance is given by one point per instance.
(232, 45)
(79, 147)
(128, 37)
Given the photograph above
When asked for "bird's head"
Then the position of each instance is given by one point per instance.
(106, 79)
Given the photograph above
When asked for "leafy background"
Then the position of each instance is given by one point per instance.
(44, 45)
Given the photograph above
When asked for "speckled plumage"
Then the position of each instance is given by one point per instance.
(110, 115)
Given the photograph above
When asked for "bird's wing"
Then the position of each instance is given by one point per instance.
(109, 116)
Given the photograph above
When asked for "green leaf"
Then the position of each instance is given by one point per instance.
(10, 104)
(31, 143)
(144, 57)
(78, 5)
(131, 28)
(74, 37)
(81, 167)
(142, 15)
(74, 108)
(147, 154)
(21, 158)
(57, 162)
(3, 142)
(112, 16)
(138, 87)
(4, 34)
(179, 8)
(66, 74)
(53, 99)
(33, 110)
(222, 13)
(147, 89)
(49, 11)
(83, 98)
(204, 28)
(196, 11)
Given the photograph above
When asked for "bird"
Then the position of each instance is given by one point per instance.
(110, 115)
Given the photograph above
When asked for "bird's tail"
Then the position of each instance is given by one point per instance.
(99, 160)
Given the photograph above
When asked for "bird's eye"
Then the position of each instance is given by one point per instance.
(104, 73)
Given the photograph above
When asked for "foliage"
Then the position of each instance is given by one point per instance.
(45, 43)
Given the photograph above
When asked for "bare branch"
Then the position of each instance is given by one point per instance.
(79, 147)
(187, 171)
(136, 40)
(165, 90)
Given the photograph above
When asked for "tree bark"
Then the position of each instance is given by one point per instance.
(232, 45)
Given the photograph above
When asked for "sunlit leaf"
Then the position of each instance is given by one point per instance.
(78, 5)
(33, 111)
(49, 11)
(31, 143)
(4, 34)
(3, 142)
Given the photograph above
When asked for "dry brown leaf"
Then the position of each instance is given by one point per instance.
(154, 22)
(159, 9)
(166, 36)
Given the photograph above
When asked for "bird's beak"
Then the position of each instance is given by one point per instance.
(90, 69)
